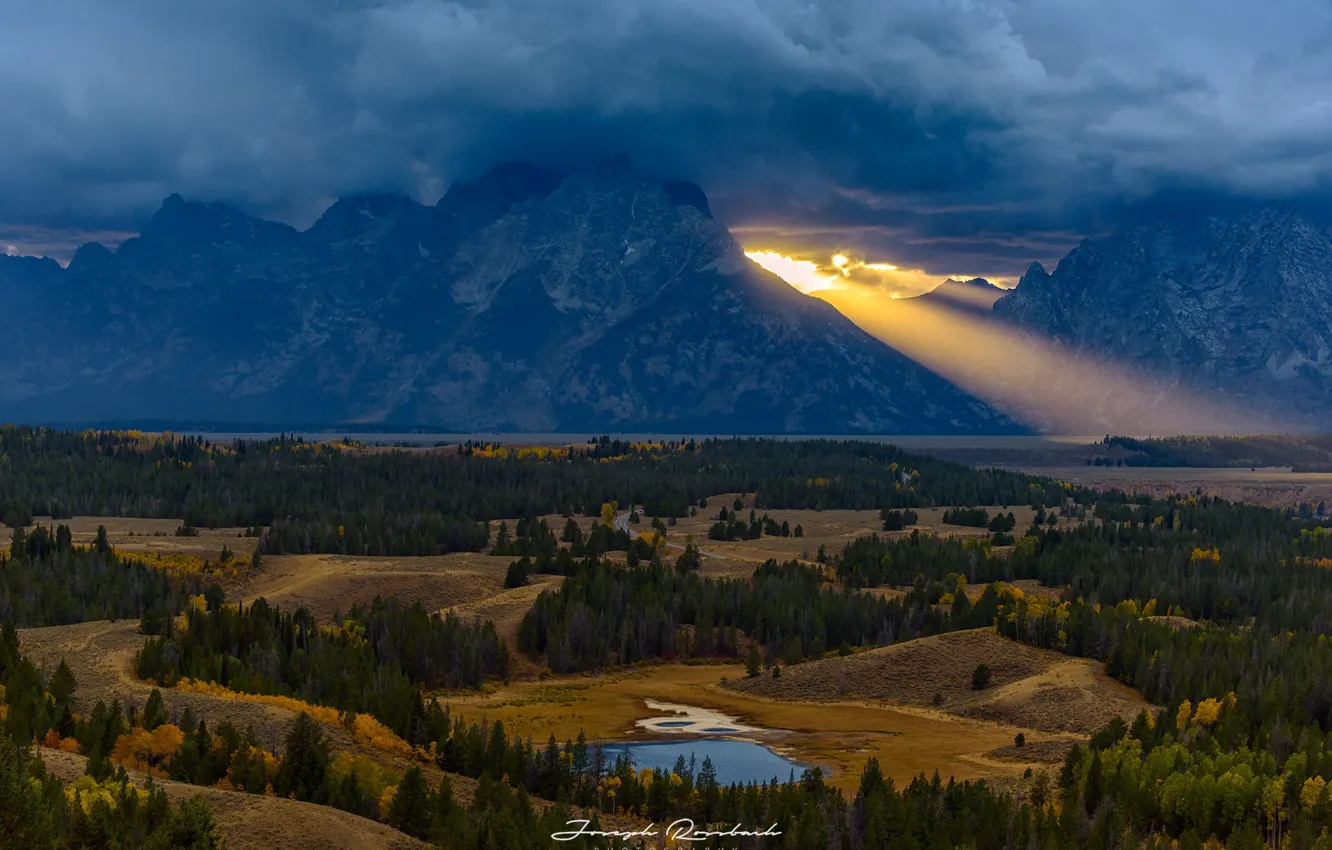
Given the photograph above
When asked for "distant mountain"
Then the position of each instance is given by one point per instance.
(975, 295)
(528, 300)
(1236, 308)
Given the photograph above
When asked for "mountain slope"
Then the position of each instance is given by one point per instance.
(525, 301)
(976, 295)
(1237, 308)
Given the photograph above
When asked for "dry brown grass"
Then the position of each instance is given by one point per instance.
(832, 529)
(329, 583)
(1040, 752)
(129, 534)
(1029, 688)
(255, 821)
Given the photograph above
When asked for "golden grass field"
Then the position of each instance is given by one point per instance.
(840, 712)
(1030, 688)
(329, 583)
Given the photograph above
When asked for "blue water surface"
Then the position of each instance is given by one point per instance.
(735, 761)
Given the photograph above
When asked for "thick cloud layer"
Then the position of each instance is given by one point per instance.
(959, 136)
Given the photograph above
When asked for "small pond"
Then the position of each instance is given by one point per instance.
(735, 761)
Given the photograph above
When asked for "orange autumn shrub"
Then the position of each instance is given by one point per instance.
(147, 751)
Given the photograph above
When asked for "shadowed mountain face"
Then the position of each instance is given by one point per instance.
(1236, 308)
(527, 300)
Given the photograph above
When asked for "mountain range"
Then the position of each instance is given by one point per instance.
(528, 300)
(1234, 307)
(535, 300)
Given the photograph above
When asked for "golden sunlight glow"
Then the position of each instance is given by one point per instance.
(842, 270)
(1038, 381)
(802, 274)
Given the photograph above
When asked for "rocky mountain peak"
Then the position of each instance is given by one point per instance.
(368, 217)
(89, 257)
(684, 193)
(468, 206)
(195, 225)
(1035, 275)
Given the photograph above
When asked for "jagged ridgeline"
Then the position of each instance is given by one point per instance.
(343, 499)
(528, 300)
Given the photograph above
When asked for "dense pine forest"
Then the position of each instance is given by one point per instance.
(605, 616)
(47, 581)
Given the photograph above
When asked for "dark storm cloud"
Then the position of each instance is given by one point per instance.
(968, 135)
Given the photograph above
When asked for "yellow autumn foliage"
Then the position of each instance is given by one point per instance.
(1207, 712)
(184, 565)
(653, 539)
(1185, 712)
(1313, 791)
(371, 776)
(1011, 593)
(520, 452)
(365, 728)
(256, 754)
(1213, 555)
(386, 800)
(86, 792)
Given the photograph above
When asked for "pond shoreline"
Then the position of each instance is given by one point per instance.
(702, 727)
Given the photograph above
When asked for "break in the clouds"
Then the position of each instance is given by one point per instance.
(950, 136)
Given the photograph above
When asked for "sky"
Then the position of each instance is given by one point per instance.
(937, 137)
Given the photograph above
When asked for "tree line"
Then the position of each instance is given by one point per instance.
(340, 498)
(45, 580)
(373, 660)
